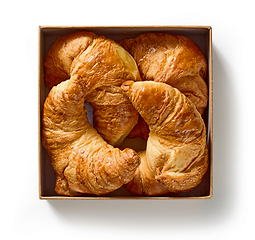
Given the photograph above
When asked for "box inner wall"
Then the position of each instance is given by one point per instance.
(47, 38)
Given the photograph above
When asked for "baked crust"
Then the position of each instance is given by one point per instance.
(172, 59)
(83, 162)
(60, 58)
(176, 156)
(101, 65)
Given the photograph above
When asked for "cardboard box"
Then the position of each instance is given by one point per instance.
(201, 35)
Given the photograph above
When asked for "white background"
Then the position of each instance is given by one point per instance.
(229, 214)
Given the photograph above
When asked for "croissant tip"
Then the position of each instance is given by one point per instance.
(126, 86)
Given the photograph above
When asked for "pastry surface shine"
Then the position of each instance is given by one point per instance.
(176, 156)
(83, 162)
(101, 65)
(172, 59)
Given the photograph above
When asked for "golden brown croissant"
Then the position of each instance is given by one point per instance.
(176, 156)
(83, 162)
(103, 66)
(141, 130)
(60, 58)
(175, 60)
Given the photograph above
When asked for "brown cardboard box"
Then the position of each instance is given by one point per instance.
(201, 35)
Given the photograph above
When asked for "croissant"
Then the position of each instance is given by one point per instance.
(141, 130)
(59, 61)
(103, 66)
(175, 60)
(176, 156)
(83, 162)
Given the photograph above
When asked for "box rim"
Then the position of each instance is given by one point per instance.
(123, 198)
(208, 27)
(39, 111)
(211, 110)
(210, 61)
